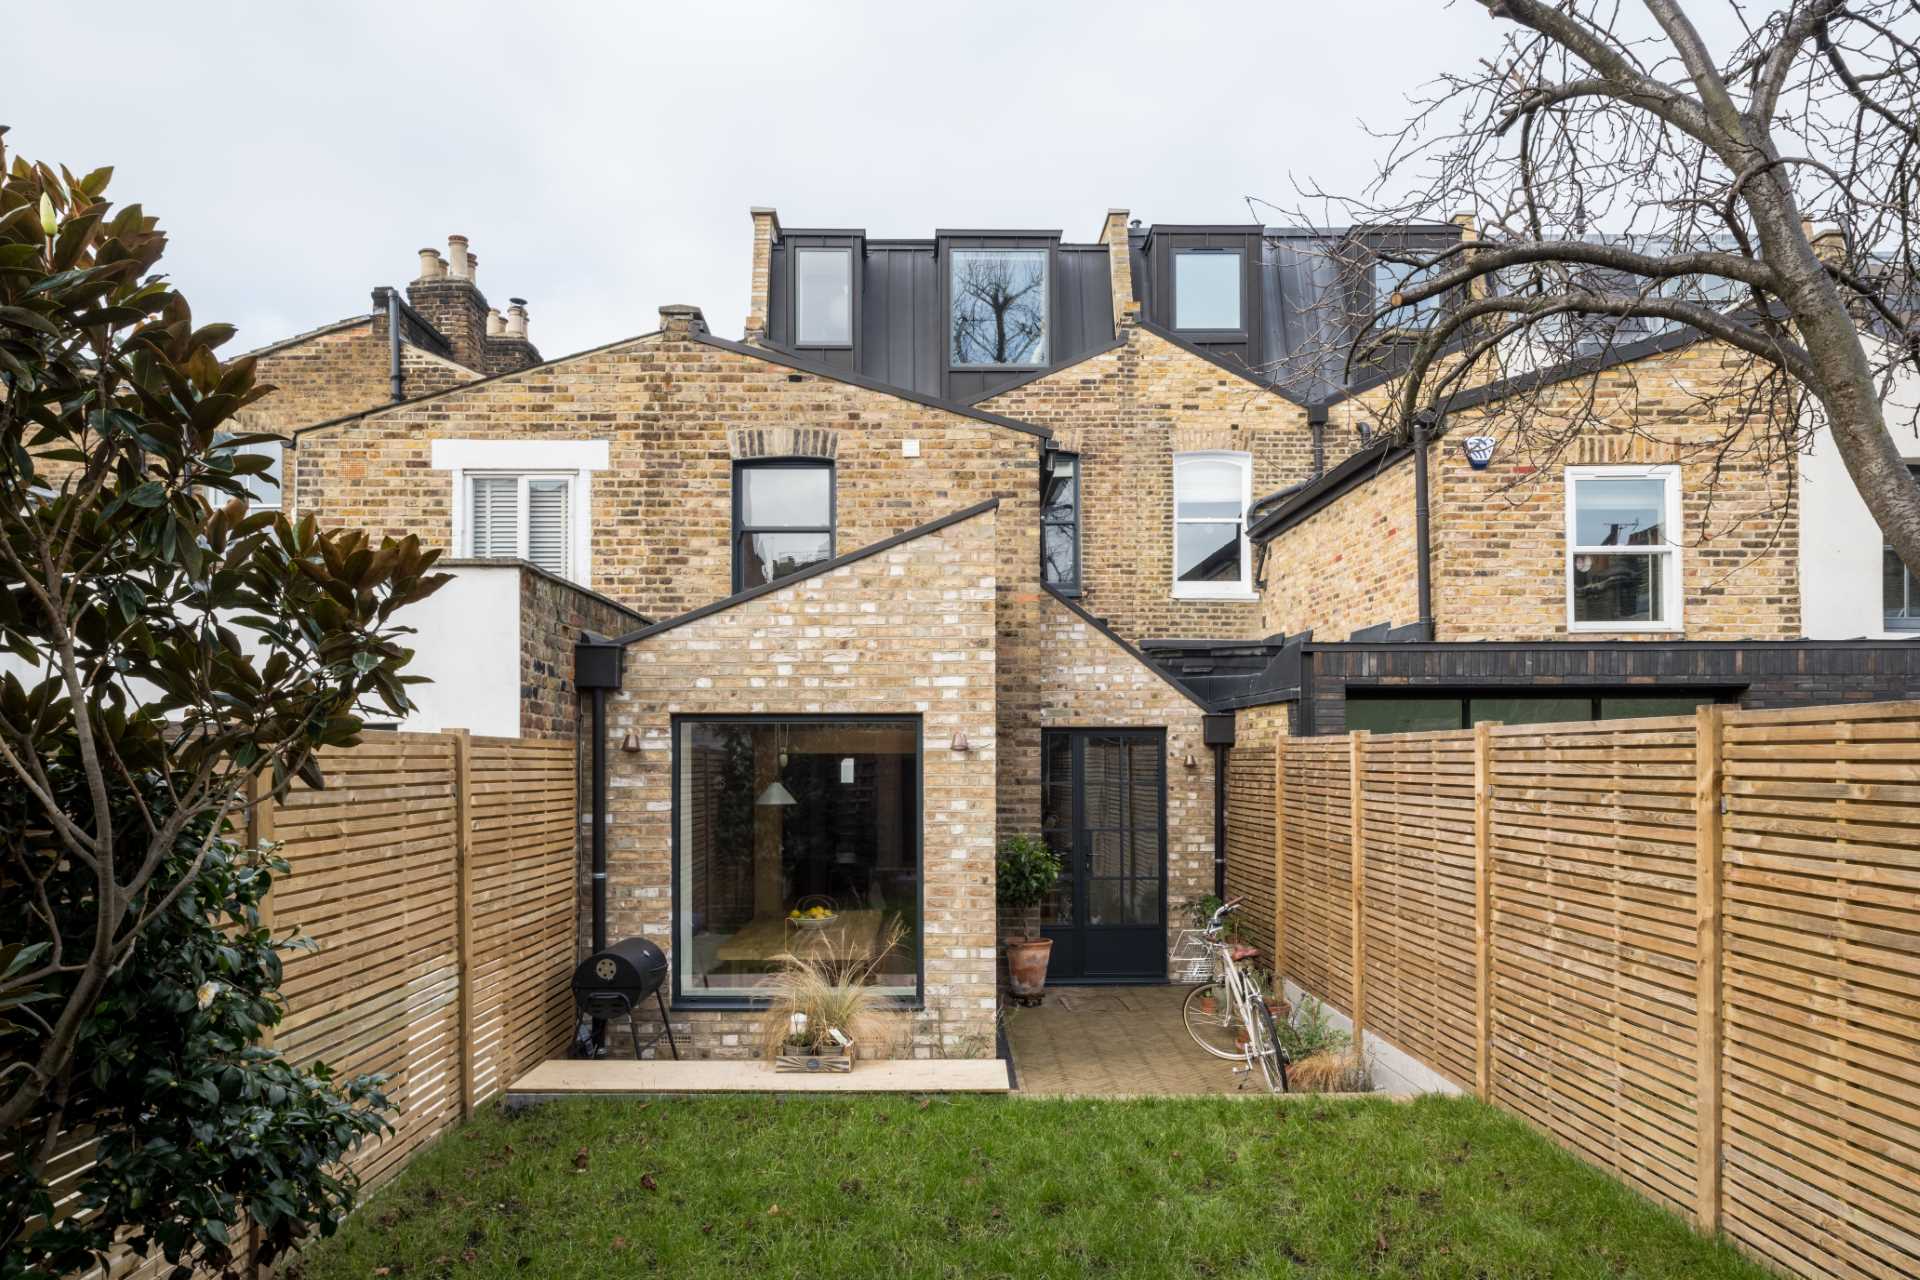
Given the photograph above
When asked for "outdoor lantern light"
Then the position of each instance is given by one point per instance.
(631, 742)
(1479, 451)
(960, 742)
(1190, 762)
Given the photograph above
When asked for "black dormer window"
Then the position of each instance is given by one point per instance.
(999, 308)
(1207, 285)
(1390, 278)
(823, 297)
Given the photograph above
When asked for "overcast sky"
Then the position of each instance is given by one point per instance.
(601, 158)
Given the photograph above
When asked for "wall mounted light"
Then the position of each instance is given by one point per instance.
(631, 742)
(1190, 762)
(960, 742)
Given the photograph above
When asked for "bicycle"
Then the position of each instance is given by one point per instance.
(1226, 1014)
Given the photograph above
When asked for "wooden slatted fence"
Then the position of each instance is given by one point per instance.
(435, 874)
(1687, 949)
(1250, 841)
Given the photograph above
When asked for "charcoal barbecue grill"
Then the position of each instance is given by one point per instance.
(618, 981)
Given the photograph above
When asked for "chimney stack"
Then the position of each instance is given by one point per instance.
(1829, 245)
(458, 263)
(517, 318)
(496, 326)
(432, 265)
(682, 318)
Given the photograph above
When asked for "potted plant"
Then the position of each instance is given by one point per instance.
(1028, 872)
(820, 1002)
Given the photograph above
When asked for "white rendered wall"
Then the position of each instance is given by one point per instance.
(468, 644)
(467, 641)
(1840, 556)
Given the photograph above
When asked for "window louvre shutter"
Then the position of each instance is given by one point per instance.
(549, 524)
(496, 516)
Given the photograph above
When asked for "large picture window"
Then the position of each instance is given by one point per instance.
(1210, 495)
(1899, 593)
(1623, 557)
(999, 307)
(782, 519)
(794, 834)
(1060, 520)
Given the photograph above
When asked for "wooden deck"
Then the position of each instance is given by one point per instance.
(623, 1077)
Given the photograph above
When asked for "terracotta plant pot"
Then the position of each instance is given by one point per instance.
(1027, 965)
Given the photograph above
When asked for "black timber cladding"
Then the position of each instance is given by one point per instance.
(901, 307)
(1755, 673)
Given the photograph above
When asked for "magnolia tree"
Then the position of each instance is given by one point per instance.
(168, 652)
(1746, 172)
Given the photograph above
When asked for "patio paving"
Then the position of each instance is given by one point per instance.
(1113, 1042)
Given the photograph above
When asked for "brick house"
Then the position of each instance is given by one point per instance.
(991, 533)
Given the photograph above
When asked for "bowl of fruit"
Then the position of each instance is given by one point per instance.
(812, 913)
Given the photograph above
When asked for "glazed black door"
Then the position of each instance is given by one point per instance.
(1103, 810)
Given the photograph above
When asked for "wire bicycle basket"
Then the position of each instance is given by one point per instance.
(1193, 958)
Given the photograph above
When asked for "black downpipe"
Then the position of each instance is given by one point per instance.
(599, 820)
(396, 382)
(599, 846)
(1317, 420)
(1423, 570)
(1220, 823)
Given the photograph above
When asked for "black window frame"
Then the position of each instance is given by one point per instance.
(1073, 586)
(1887, 621)
(1465, 695)
(678, 1000)
(741, 530)
(794, 251)
(949, 246)
(1194, 334)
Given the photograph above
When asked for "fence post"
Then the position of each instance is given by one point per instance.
(1280, 860)
(261, 825)
(1357, 888)
(1709, 720)
(463, 904)
(1483, 909)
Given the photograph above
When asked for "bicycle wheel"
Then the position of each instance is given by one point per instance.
(1266, 1048)
(1212, 1022)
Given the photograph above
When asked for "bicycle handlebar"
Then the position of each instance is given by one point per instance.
(1225, 909)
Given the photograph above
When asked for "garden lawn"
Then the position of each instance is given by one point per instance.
(978, 1187)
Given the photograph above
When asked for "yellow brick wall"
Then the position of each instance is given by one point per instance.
(907, 631)
(1349, 565)
(1127, 412)
(1499, 535)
